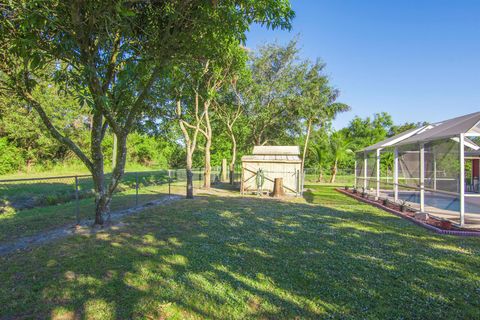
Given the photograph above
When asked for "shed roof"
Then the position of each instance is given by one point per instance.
(271, 158)
(276, 150)
(274, 154)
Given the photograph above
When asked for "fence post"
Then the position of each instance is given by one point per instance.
(77, 204)
(136, 189)
(298, 182)
(169, 186)
(303, 183)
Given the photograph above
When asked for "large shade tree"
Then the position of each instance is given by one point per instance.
(109, 54)
(270, 107)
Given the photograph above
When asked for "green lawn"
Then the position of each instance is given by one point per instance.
(29, 222)
(17, 195)
(240, 258)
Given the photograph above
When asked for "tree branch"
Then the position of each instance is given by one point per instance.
(141, 98)
(112, 63)
(54, 132)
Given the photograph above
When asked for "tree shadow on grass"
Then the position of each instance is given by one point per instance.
(43, 219)
(223, 257)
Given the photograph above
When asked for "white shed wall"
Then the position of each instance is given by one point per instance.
(286, 170)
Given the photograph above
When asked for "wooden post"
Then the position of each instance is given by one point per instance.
(241, 181)
(224, 170)
(136, 189)
(77, 204)
(278, 188)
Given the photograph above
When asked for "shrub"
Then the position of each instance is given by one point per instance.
(10, 157)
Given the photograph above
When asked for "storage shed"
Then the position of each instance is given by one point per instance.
(260, 169)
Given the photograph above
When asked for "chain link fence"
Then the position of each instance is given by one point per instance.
(344, 176)
(29, 205)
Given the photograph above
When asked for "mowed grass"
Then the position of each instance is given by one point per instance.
(243, 258)
(14, 225)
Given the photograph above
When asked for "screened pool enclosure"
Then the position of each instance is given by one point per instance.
(433, 168)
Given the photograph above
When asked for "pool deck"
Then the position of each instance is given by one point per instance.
(472, 220)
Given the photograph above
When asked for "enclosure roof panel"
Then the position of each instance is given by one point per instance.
(392, 140)
(276, 150)
(445, 129)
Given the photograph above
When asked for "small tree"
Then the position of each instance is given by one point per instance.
(317, 101)
(230, 105)
(188, 111)
(225, 67)
(319, 154)
(340, 149)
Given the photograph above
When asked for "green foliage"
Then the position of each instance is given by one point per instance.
(110, 56)
(150, 151)
(270, 109)
(365, 132)
(10, 157)
(359, 134)
(340, 146)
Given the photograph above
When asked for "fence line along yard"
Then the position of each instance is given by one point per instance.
(135, 188)
(29, 193)
(343, 176)
(30, 205)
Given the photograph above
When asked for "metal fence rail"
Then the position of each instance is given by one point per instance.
(76, 192)
(316, 175)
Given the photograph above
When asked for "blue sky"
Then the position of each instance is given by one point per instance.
(417, 60)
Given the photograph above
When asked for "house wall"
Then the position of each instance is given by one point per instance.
(287, 170)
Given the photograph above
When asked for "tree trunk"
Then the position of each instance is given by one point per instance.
(114, 151)
(190, 145)
(320, 176)
(208, 146)
(334, 171)
(224, 170)
(103, 195)
(29, 165)
(234, 155)
(189, 176)
(208, 168)
(232, 172)
(305, 147)
(101, 201)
